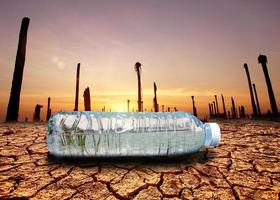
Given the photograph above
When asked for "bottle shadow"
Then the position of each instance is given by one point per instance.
(131, 160)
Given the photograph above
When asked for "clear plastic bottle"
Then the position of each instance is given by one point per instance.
(102, 134)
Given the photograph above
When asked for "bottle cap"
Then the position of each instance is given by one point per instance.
(215, 137)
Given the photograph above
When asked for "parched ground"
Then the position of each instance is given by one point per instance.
(246, 165)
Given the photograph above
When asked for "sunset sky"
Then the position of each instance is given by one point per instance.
(188, 47)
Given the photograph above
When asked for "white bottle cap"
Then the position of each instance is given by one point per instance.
(215, 134)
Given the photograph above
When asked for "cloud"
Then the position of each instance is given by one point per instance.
(58, 62)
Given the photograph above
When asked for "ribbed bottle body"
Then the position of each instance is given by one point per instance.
(110, 134)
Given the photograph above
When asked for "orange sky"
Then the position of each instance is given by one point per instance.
(186, 47)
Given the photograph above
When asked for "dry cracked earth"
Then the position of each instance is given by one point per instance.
(246, 165)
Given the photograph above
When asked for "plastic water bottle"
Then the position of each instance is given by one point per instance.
(109, 134)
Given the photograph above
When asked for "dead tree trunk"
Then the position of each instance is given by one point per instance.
(155, 98)
(257, 99)
(243, 114)
(194, 108)
(215, 111)
(218, 113)
(13, 106)
(76, 108)
(49, 111)
(251, 91)
(137, 68)
(233, 109)
(37, 112)
(87, 99)
(210, 111)
(263, 60)
(224, 107)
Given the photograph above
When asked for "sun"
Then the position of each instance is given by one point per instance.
(119, 107)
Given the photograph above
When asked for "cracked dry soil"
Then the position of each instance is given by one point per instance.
(246, 165)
